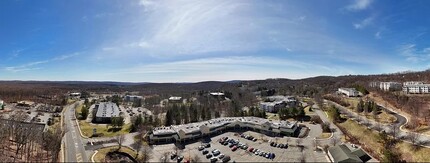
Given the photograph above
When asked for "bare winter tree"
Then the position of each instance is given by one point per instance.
(394, 131)
(146, 153)
(302, 157)
(414, 138)
(119, 140)
(334, 140)
(164, 157)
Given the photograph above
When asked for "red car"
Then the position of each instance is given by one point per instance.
(234, 148)
(251, 149)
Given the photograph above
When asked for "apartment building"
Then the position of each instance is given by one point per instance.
(390, 86)
(416, 88)
(195, 131)
(350, 92)
(275, 103)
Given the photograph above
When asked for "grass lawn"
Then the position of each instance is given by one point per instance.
(383, 117)
(364, 135)
(325, 135)
(410, 154)
(352, 101)
(87, 129)
(272, 116)
(101, 154)
(371, 139)
(307, 112)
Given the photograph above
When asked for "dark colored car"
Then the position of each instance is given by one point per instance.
(205, 152)
(208, 156)
(226, 159)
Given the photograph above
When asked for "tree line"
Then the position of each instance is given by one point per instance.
(20, 141)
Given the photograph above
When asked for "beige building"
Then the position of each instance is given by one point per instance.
(195, 131)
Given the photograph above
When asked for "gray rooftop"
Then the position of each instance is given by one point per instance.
(107, 109)
(213, 123)
(343, 153)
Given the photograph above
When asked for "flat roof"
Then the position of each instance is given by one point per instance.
(175, 98)
(213, 123)
(107, 109)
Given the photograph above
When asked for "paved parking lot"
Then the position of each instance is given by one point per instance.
(291, 154)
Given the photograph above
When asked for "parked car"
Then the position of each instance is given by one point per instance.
(208, 156)
(226, 159)
(207, 145)
(234, 148)
(214, 159)
(200, 148)
(180, 158)
(205, 152)
(231, 145)
(221, 156)
(254, 140)
(251, 149)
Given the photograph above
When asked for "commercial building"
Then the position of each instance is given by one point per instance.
(412, 83)
(195, 131)
(105, 111)
(131, 98)
(390, 86)
(350, 92)
(274, 103)
(347, 153)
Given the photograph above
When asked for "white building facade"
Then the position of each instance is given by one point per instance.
(390, 86)
(350, 92)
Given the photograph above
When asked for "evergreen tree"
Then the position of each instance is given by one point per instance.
(185, 114)
(169, 118)
(217, 114)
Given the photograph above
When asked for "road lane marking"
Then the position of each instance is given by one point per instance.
(79, 157)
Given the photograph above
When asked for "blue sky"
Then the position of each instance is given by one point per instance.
(188, 41)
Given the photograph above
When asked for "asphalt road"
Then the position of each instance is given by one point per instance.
(74, 146)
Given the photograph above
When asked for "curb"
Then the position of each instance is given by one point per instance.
(92, 157)
(79, 127)
(63, 144)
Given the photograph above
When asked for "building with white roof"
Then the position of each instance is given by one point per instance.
(195, 131)
(105, 112)
(350, 92)
(175, 99)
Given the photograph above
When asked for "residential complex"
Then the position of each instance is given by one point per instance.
(195, 131)
(105, 112)
(416, 88)
(274, 103)
(350, 92)
(390, 86)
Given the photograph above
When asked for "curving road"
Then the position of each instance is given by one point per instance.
(401, 120)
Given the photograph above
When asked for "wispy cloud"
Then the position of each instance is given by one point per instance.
(378, 35)
(228, 68)
(32, 65)
(413, 54)
(364, 23)
(359, 5)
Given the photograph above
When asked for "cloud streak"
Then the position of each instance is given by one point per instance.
(32, 65)
(358, 5)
